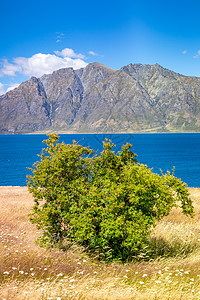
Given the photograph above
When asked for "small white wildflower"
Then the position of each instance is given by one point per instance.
(144, 275)
(45, 269)
(136, 272)
(6, 273)
(127, 270)
(60, 274)
(125, 276)
(72, 280)
(31, 269)
(141, 282)
(192, 279)
(95, 272)
(157, 281)
(84, 260)
(21, 272)
(32, 274)
(14, 268)
(159, 272)
(78, 263)
(170, 281)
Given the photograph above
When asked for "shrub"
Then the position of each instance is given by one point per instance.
(106, 203)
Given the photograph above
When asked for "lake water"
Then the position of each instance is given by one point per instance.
(158, 151)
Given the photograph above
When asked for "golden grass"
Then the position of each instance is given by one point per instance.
(28, 271)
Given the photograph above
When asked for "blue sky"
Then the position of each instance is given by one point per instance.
(39, 37)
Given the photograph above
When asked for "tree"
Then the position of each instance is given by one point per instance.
(107, 202)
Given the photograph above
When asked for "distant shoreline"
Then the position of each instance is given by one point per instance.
(101, 132)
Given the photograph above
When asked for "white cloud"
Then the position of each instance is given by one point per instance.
(40, 64)
(184, 51)
(197, 55)
(12, 87)
(8, 69)
(67, 52)
(94, 53)
(59, 36)
(2, 90)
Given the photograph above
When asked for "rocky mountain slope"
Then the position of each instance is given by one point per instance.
(143, 98)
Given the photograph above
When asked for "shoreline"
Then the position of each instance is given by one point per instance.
(24, 186)
(101, 132)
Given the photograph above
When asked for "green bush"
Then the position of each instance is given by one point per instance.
(107, 203)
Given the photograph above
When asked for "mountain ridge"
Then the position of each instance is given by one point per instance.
(135, 98)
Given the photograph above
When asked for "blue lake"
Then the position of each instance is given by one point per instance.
(158, 151)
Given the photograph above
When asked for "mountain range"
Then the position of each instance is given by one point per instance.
(136, 98)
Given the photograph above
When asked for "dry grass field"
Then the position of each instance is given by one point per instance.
(28, 271)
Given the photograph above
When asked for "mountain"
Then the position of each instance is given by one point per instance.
(136, 98)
